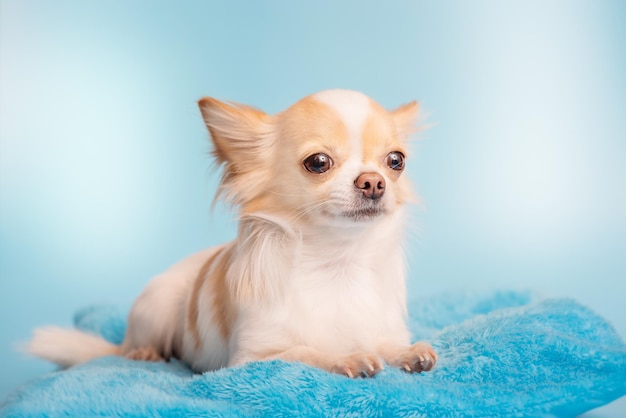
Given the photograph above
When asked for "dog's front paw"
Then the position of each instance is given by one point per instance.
(358, 365)
(420, 357)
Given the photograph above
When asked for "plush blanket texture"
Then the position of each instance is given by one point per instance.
(501, 354)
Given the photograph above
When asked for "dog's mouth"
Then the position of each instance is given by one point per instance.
(363, 214)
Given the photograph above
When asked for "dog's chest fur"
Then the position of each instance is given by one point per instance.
(339, 295)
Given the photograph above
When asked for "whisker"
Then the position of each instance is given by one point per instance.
(300, 213)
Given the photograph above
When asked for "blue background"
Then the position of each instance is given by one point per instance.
(105, 178)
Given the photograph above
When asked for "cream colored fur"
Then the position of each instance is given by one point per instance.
(316, 273)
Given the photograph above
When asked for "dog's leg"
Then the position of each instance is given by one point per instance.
(419, 357)
(353, 365)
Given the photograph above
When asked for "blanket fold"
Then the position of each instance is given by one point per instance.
(501, 354)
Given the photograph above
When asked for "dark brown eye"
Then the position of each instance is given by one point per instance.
(318, 163)
(395, 160)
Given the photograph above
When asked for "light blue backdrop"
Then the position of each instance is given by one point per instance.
(105, 177)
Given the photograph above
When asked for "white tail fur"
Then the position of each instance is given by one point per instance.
(67, 347)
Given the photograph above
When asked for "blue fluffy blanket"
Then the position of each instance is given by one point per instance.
(502, 354)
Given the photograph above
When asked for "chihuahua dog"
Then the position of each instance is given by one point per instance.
(316, 273)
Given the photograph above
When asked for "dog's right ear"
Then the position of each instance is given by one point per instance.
(242, 141)
(236, 130)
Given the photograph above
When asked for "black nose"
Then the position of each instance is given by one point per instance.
(372, 185)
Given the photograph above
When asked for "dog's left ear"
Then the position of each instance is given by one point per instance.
(242, 143)
(405, 119)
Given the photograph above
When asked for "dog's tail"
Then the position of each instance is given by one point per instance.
(68, 347)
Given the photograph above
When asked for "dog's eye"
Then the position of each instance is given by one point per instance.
(395, 160)
(318, 163)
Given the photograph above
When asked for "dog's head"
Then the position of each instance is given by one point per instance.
(333, 158)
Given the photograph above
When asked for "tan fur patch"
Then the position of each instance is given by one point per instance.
(192, 312)
(306, 128)
(313, 127)
(243, 143)
(379, 136)
(224, 312)
(224, 120)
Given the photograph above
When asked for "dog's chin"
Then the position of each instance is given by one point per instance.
(363, 214)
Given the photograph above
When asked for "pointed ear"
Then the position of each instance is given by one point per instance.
(405, 119)
(235, 129)
(242, 141)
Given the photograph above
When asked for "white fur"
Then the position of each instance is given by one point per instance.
(337, 301)
(353, 107)
(159, 313)
(67, 347)
(327, 293)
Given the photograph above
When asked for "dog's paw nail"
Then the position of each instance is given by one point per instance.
(348, 372)
(427, 364)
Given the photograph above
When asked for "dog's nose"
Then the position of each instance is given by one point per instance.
(372, 185)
